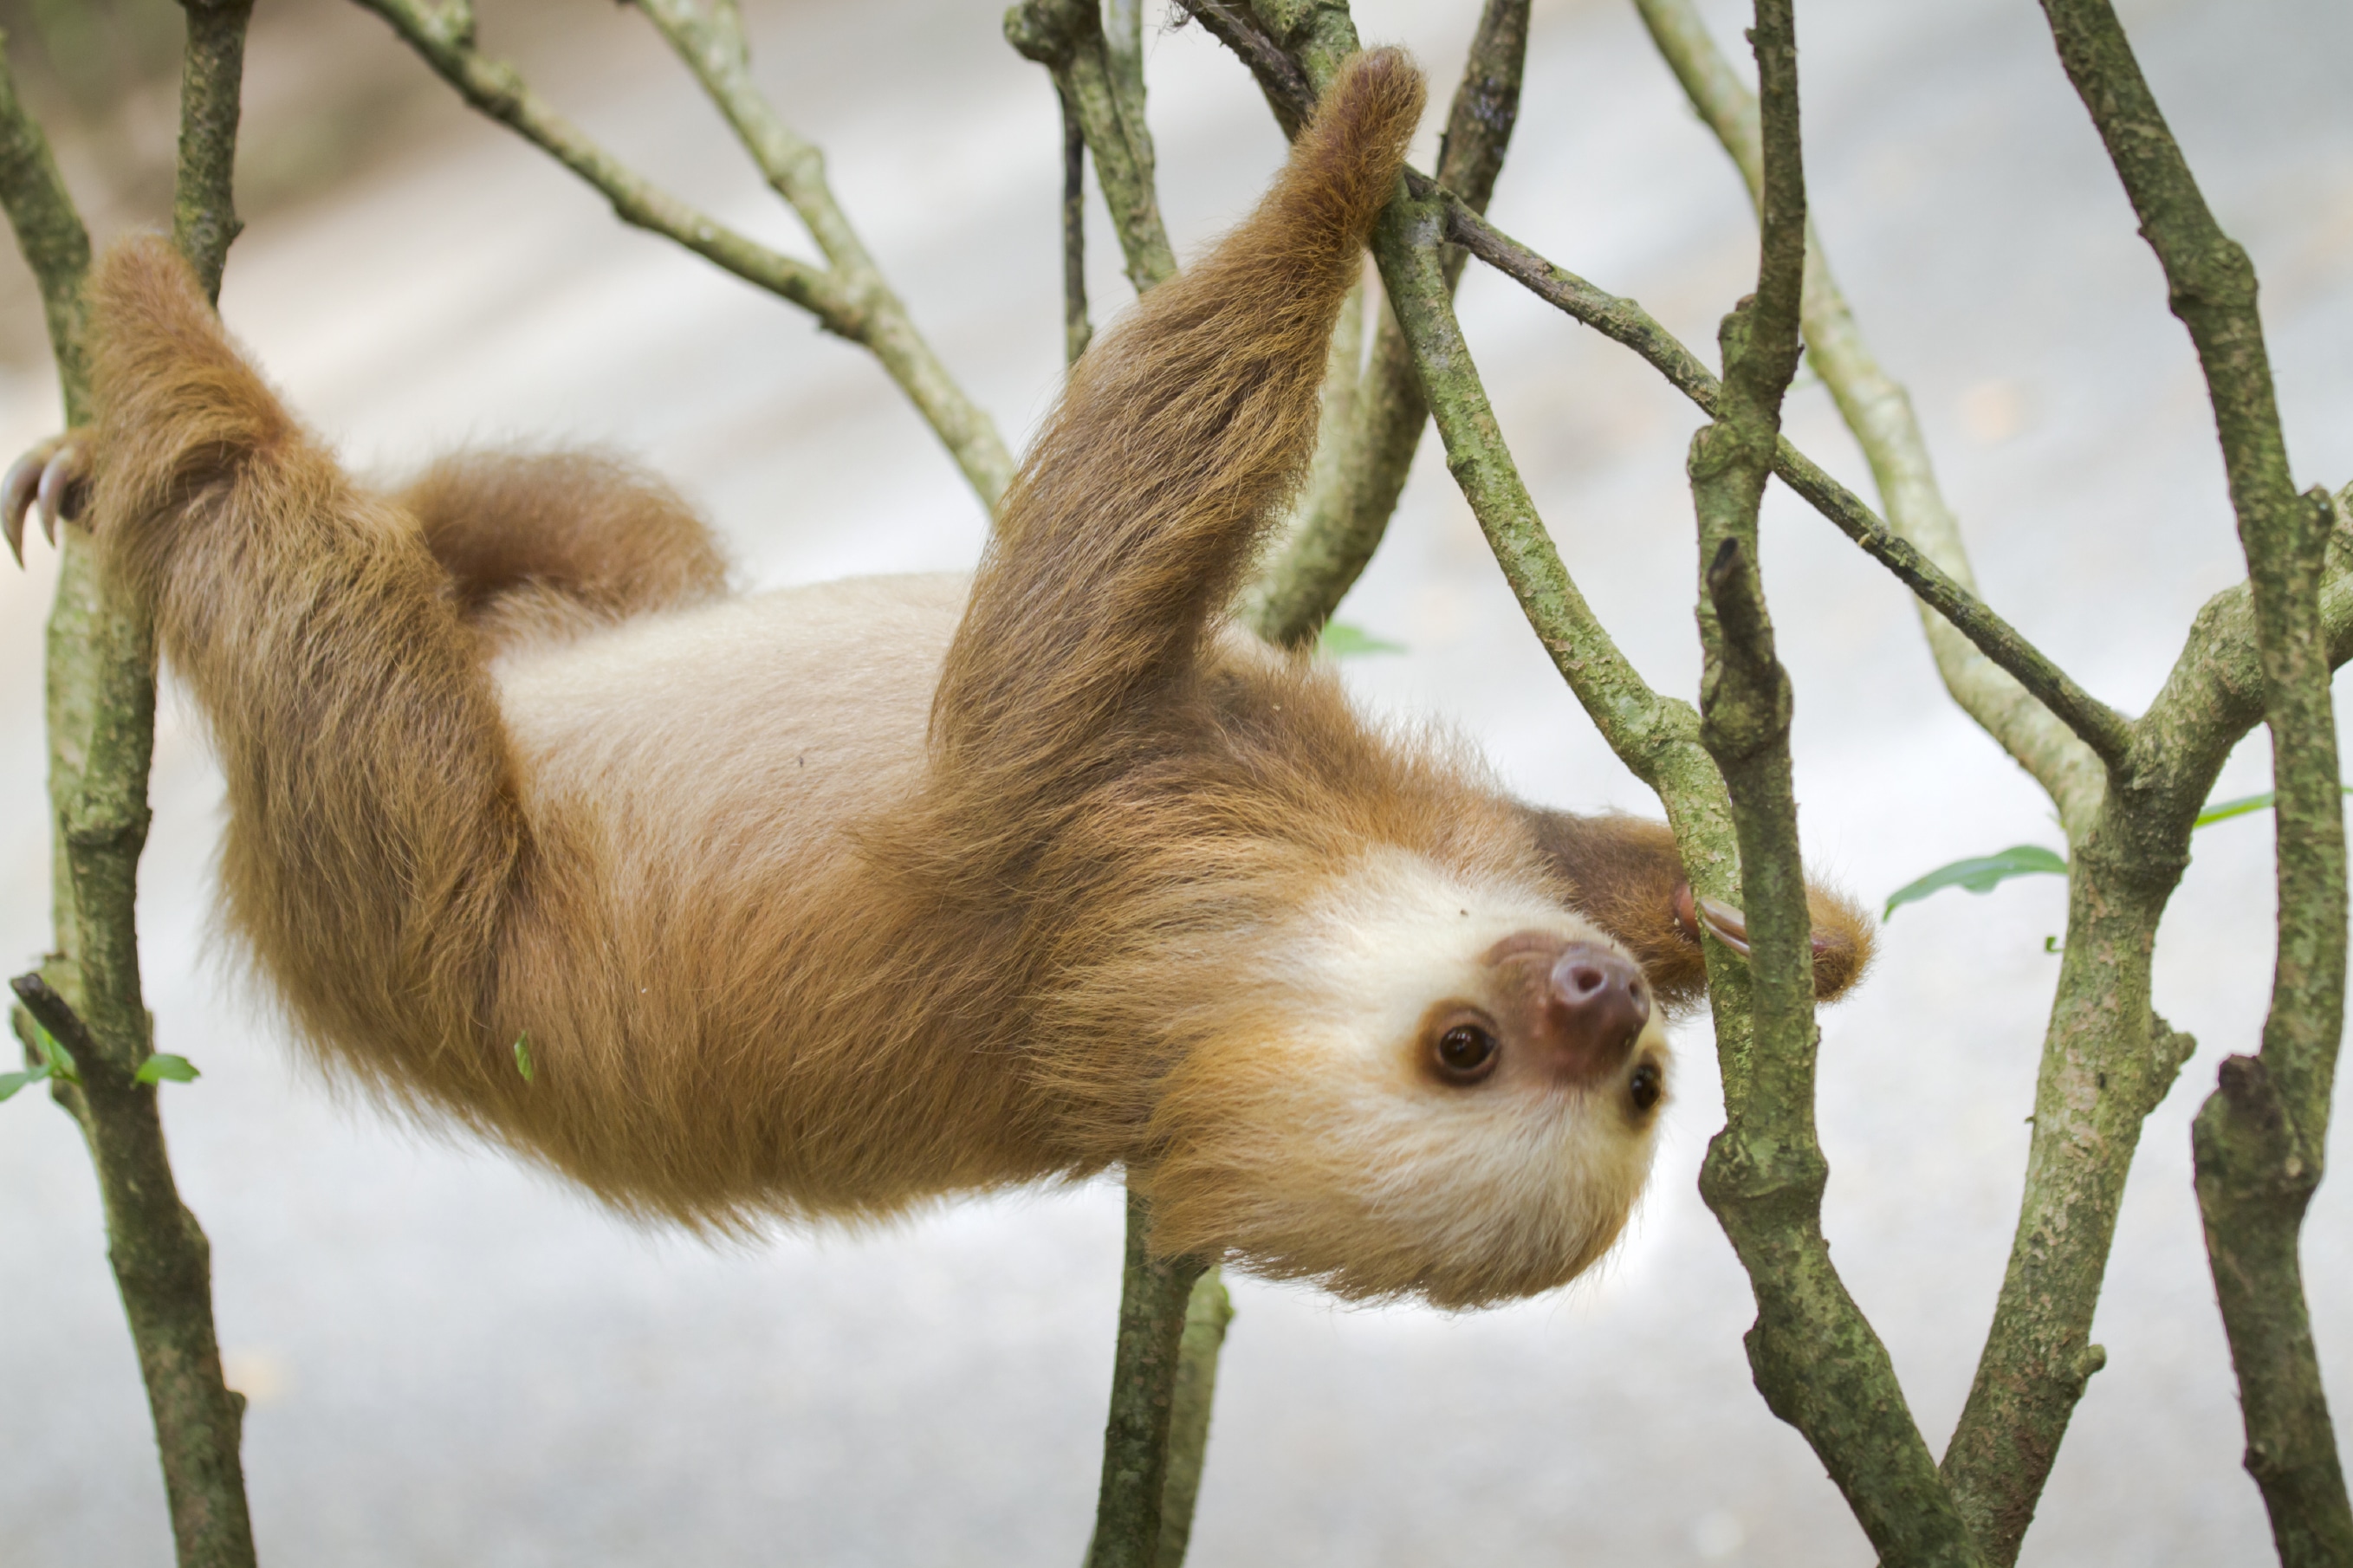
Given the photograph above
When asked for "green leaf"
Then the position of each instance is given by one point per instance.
(60, 1065)
(523, 1055)
(10, 1082)
(1340, 640)
(1981, 875)
(2223, 810)
(163, 1066)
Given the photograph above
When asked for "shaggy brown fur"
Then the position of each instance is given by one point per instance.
(826, 903)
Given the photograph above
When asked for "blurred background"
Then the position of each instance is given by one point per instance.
(452, 1359)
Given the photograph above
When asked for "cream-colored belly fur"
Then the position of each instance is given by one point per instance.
(768, 720)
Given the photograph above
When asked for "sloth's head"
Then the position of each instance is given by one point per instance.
(1430, 1084)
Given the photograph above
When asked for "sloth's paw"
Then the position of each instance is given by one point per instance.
(51, 476)
(1841, 937)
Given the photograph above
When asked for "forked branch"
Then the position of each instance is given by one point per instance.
(2041, 723)
(848, 297)
(2260, 1139)
(1624, 321)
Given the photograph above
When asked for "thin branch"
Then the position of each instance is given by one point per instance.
(1066, 36)
(100, 719)
(1209, 1312)
(2105, 731)
(1362, 459)
(204, 203)
(1879, 413)
(443, 36)
(1154, 1299)
(708, 34)
(1625, 322)
(1077, 331)
(2260, 1139)
(1814, 1356)
(49, 233)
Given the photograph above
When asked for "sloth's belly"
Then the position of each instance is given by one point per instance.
(757, 726)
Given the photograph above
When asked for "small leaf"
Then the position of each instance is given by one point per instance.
(60, 1065)
(1981, 875)
(10, 1082)
(2049, 944)
(163, 1066)
(523, 1055)
(1340, 640)
(2223, 810)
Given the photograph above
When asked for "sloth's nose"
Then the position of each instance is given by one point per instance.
(1596, 1004)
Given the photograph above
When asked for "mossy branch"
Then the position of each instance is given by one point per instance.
(848, 297)
(101, 718)
(2023, 718)
(2260, 1140)
(1814, 1356)
(1364, 455)
(1067, 37)
(1154, 1298)
(1624, 321)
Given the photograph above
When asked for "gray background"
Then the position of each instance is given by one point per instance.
(453, 1360)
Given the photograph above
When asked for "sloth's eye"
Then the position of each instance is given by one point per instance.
(1644, 1087)
(1466, 1053)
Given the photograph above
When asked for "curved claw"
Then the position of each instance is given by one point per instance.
(17, 492)
(49, 475)
(1728, 925)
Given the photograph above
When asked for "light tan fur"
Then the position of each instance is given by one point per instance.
(824, 902)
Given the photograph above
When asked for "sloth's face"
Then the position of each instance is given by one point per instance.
(1456, 1103)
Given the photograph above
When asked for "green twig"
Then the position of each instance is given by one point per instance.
(1363, 456)
(1879, 413)
(1208, 1313)
(1154, 1295)
(708, 34)
(1066, 36)
(847, 298)
(101, 709)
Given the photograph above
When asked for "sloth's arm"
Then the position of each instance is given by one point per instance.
(1625, 875)
(1181, 432)
(375, 841)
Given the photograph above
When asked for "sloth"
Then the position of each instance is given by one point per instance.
(826, 903)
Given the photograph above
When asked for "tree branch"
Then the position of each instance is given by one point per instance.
(1066, 36)
(101, 709)
(708, 34)
(2260, 1140)
(1154, 1297)
(1626, 323)
(2101, 728)
(2020, 715)
(1077, 331)
(1362, 459)
(847, 302)
(1815, 1357)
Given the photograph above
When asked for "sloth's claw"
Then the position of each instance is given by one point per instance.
(1728, 925)
(51, 476)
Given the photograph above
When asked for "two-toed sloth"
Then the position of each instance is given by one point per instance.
(831, 900)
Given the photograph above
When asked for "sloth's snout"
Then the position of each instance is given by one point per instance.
(1595, 1003)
